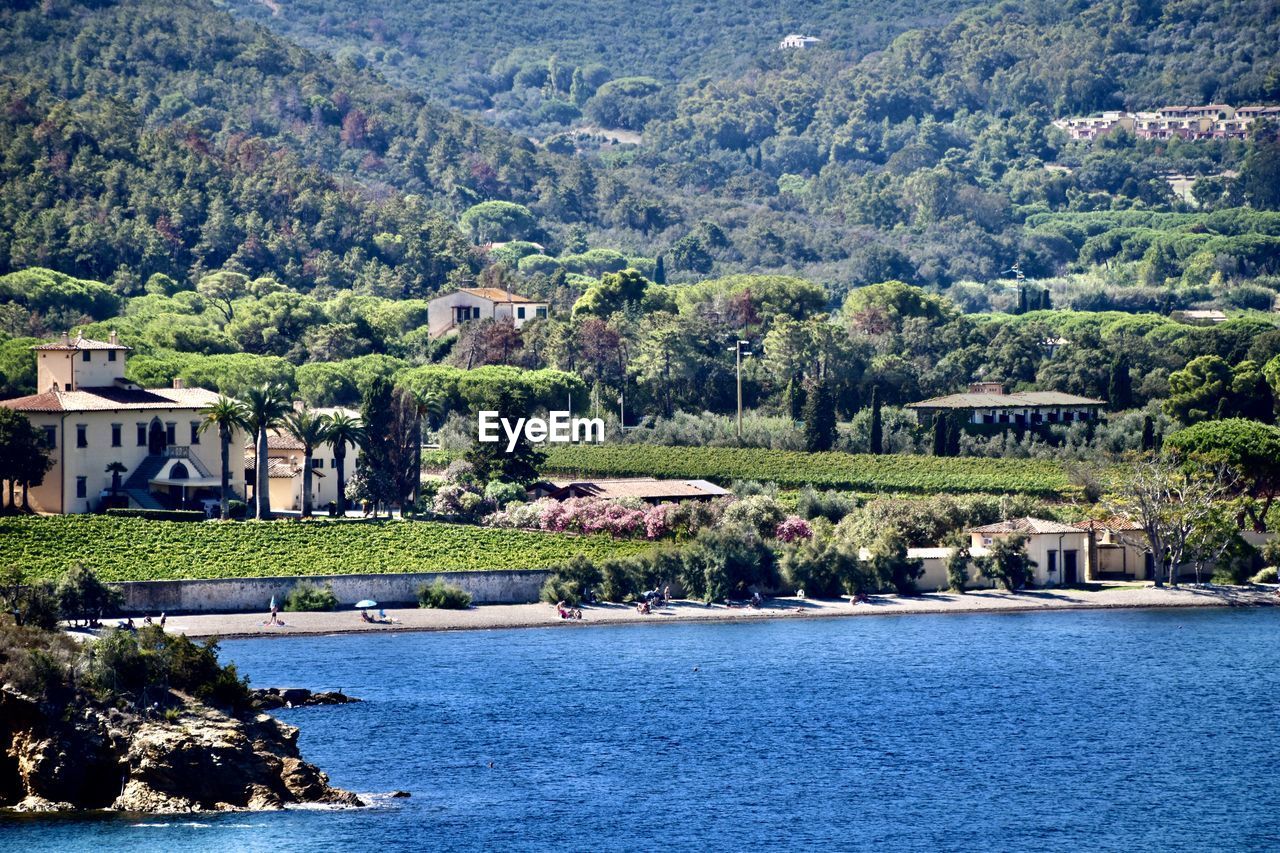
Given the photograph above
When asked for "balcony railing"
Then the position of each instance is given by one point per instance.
(174, 451)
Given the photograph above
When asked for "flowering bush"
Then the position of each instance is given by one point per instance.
(793, 528)
(622, 519)
(453, 499)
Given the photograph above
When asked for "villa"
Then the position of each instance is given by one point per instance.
(285, 461)
(92, 417)
(448, 312)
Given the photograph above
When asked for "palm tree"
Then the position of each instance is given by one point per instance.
(431, 407)
(264, 407)
(115, 469)
(343, 429)
(310, 429)
(227, 415)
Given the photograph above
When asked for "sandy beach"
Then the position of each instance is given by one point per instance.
(539, 615)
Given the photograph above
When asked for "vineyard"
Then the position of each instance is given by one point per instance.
(125, 549)
(895, 473)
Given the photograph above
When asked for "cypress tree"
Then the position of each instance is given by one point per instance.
(940, 429)
(795, 400)
(375, 461)
(1120, 388)
(1148, 433)
(1022, 299)
(1046, 301)
(660, 271)
(820, 418)
(876, 445)
(953, 435)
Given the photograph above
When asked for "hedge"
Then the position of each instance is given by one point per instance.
(159, 514)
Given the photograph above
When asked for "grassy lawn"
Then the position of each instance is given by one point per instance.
(128, 549)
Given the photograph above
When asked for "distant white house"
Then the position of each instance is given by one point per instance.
(988, 403)
(447, 312)
(794, 41)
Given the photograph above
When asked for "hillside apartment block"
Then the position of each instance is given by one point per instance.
(1210, 121)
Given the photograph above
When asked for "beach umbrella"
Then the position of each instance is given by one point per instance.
(272, 606)
(366, 603)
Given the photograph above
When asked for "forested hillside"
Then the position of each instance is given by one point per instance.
(477, 55)
(145, 137)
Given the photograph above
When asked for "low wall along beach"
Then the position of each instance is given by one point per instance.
(227, 595)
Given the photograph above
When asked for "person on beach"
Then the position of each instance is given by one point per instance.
(162, 619)
(666, 592)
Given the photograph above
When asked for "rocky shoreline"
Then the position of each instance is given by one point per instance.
(188, 757)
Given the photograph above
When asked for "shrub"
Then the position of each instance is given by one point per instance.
(570, 581)
(306, 597)
(237, 509)
(159, 514)
(819, 566)
(831, 505)
(1267, 575)
(82, 598)
(501, 493)
(442, 596)
(792, 529)
(761, 513)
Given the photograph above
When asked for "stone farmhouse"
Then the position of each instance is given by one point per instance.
(448, 312)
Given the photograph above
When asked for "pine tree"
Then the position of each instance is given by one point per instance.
(820, 418)
(876, 444)
(1120, 388)
(660, 271)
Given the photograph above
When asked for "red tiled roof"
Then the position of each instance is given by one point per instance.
(1026, 525)
(1109, 524)
(79, 344)
(494, 294)
(110, 398)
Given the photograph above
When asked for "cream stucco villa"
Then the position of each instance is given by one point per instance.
(92, 416)
(285, 460)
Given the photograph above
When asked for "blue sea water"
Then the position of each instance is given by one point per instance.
(1076, 730)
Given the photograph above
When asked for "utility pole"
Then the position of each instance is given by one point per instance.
(737, 349)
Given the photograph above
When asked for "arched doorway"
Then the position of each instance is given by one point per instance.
(157, 440)
(179, 472)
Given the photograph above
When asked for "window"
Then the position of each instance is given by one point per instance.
(317, 463)
(84, 357)
(115, 435)
(82, 487)
(195, 432)
(475, 313)
(540, 312)
(82, 435)
(333, 463)
(66, 386)
(111, 355)
(171, 433)
(986, 540)
(51, 436)
(142, 435)
(520, 313)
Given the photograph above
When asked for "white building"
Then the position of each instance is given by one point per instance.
(794, 41)
(285, 461)
(447, 312)
(92, 416)
(987, 403)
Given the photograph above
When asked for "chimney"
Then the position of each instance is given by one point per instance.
(177, 382)
(112, 337)
(66, 339)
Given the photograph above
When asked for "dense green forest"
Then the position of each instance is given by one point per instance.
(478, 55)
(242, 209)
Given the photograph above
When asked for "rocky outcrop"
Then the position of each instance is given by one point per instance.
(270, 698)
(191, 758)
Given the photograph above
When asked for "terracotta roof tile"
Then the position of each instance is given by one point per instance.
(79, 344)
(1026, 525)
(1027, 399)
(111, 398)
(494, 294)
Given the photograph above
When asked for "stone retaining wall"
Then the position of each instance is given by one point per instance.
(228, 595)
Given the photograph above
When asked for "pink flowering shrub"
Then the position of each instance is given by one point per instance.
(793, 528)
(623, 519)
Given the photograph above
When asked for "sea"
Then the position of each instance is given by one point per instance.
(1070, 730)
